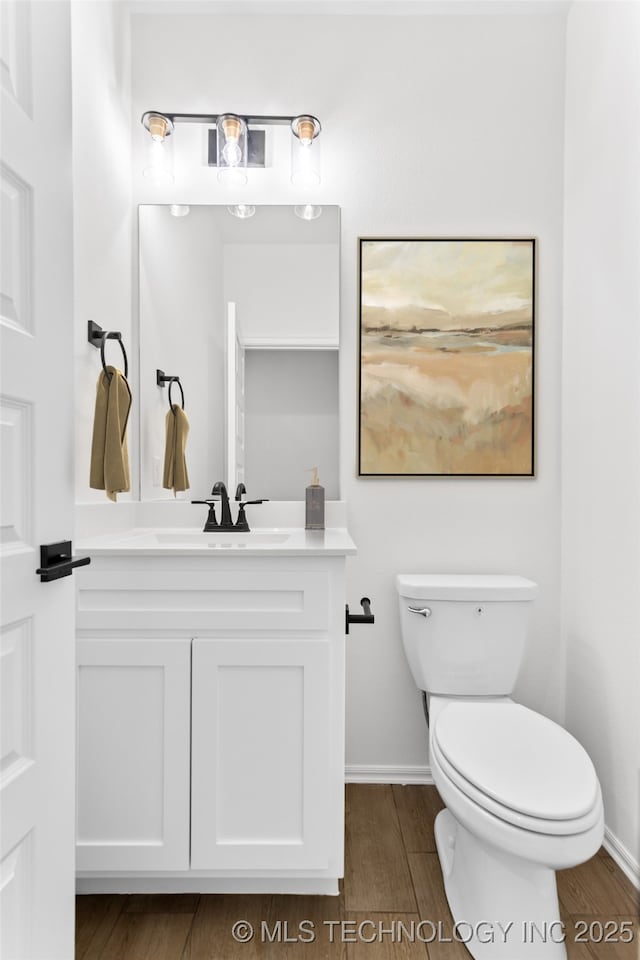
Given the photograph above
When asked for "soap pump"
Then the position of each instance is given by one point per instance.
(314, 503)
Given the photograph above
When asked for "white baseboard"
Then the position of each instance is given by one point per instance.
(300, 886)
(361, 773)
(618, 852)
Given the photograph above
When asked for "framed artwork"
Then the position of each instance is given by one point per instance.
(446, 357)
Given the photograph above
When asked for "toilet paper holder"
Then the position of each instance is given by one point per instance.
(366, 617)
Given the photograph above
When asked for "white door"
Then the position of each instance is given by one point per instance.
(37, 655)
(133, 762)
(261, 728)
(235, 400)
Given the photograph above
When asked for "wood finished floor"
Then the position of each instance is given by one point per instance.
(392, 874)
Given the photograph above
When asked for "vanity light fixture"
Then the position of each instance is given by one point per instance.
(235, 143)
(179, 209)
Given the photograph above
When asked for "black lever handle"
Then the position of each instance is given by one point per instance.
(366, 617)
(242, 525)
(56, 561)
(211, 523)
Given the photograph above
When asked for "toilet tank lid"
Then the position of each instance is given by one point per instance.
(463, 586)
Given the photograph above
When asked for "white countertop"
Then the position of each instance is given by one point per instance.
(190, 541)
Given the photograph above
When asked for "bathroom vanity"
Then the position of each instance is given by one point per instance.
(211, 711)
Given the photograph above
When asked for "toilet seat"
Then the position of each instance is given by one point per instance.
(517, 765)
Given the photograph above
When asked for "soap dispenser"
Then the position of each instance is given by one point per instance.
(314, 504)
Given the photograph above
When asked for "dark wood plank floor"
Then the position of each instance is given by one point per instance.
(392, 876)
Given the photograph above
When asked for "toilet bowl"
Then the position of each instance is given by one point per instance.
(521, 795)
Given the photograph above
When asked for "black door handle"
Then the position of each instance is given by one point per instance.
(56, 561)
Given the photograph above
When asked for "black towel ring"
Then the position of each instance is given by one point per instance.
(113, 336)
(171, 383)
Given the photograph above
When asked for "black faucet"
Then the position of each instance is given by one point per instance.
(219, 491)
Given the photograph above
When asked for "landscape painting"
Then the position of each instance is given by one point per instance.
(446, 357)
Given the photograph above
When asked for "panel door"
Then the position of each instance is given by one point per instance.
(133, 754)
(36, 448)
(261, 729)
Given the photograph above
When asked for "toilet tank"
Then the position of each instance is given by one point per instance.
(466, 634)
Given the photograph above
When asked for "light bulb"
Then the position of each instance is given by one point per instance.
(232, 149)
(232, 153)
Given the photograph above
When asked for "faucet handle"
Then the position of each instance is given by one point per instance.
(241, 523)
(240, 490)
(211, 522)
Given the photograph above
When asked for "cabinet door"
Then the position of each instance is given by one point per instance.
(261, 729)
(133, 754)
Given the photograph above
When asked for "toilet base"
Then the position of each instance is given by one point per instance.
(504, 906)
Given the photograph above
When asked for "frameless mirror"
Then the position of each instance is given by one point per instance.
(261, 395)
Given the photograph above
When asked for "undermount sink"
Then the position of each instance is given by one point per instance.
(191, 541)
(221, 540)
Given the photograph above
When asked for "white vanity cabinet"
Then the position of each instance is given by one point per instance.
(211, 722)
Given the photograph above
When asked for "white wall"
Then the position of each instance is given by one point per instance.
(432, 126)
(601, 404)
(103, 261)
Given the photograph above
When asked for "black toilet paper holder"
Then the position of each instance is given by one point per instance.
(366, 617)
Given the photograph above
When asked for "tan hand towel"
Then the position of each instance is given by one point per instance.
(175, 465)
(109, 455)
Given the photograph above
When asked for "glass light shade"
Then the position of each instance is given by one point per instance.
(159, 160)
(305, 151)
(179, 209)
(308, 211)
(243, 211)
(232, 149)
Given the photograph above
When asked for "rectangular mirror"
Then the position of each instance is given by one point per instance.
(262, 401)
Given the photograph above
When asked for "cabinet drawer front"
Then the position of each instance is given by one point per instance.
(260, 766)
(202, 600)
(133, 754)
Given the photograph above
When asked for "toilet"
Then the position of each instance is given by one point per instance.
(521, 794)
